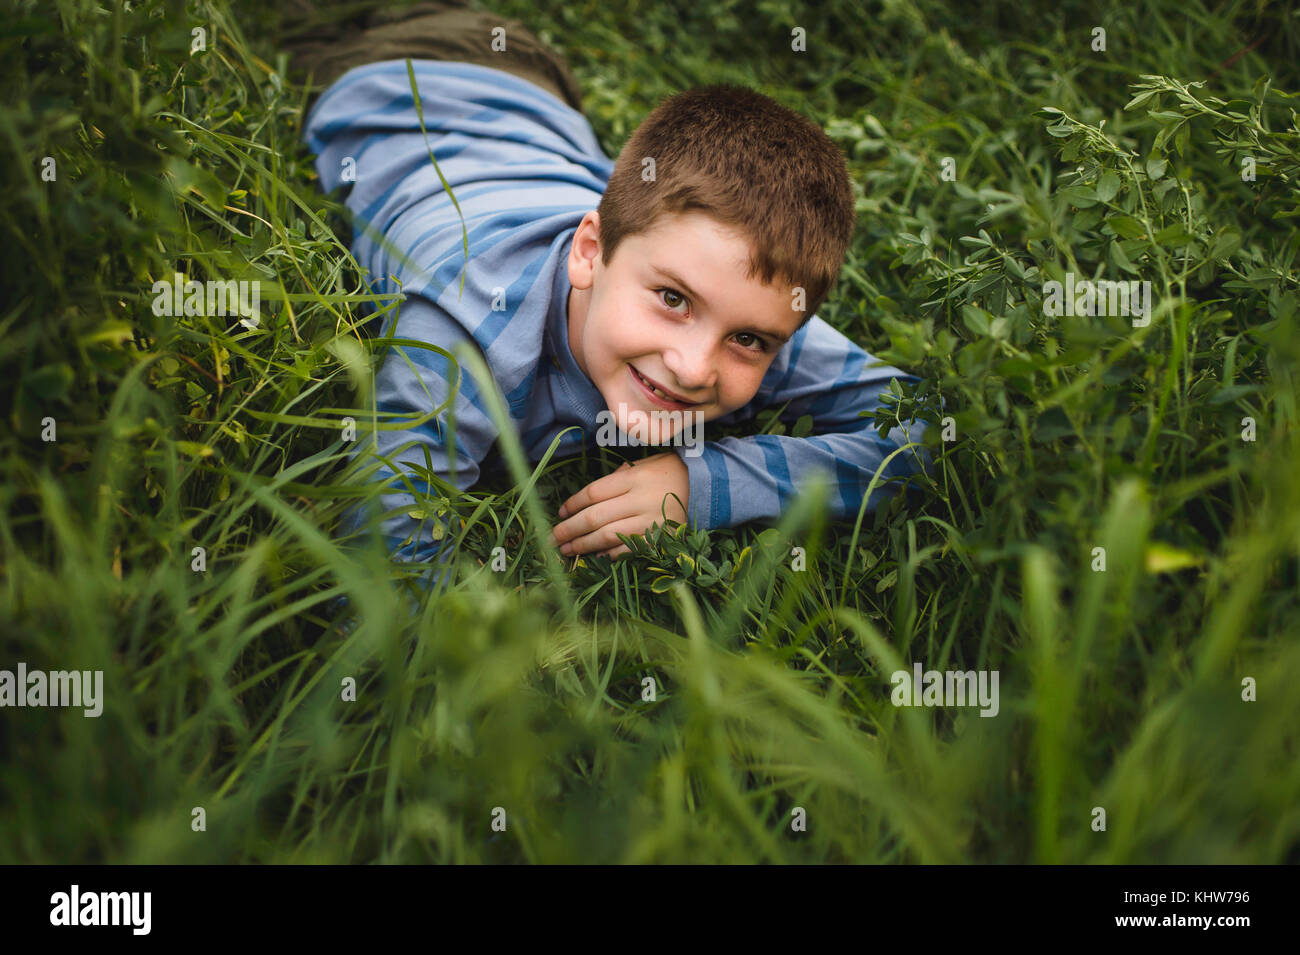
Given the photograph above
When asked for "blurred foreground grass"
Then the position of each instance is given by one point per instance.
(1120, 689)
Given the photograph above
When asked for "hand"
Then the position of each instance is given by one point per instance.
(627, 501)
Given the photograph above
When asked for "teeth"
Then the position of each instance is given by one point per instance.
(657, 391)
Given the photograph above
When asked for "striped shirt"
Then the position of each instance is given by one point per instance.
(525, 168)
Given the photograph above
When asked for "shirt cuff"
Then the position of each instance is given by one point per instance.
(699, 509)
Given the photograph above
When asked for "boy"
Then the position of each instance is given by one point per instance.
(683, 278)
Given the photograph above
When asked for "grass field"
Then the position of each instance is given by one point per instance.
(1112, 523)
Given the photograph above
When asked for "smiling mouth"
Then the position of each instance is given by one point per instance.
(658, 391)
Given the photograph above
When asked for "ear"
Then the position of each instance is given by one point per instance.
(584, 251)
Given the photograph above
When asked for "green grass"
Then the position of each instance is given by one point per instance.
(523, 690)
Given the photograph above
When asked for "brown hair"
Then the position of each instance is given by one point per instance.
(748, 162)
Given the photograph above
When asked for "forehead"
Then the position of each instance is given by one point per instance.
(686, 236)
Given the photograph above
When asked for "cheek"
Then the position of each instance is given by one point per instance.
(746, 384)
(629, 331)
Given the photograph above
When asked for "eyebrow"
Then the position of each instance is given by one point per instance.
(676, 279)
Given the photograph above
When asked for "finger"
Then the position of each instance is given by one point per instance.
(606, 536)
(601, 489)
(590, 519)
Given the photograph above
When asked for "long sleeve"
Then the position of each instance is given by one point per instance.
(523, 168)
(412, 382)
(821, 373)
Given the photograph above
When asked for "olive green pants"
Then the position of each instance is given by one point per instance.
(326, 39)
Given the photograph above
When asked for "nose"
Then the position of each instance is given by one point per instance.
(690, 360)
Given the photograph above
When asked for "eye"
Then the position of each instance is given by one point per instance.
(666, 293)
(667, 296)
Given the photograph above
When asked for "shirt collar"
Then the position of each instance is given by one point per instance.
(580, 389)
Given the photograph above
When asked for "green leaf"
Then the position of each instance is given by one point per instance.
(1107, 186)
(419, 112)
(195, 449)
(743, 560)
(189, 177)
(1225, 243)
(1015, 366)
(976, 319)
(1080, 197)
(50, 381)
(1161, 558)
(1126, 226)
(1156, 167)
(1120, 259)
(1141, 98)
(110, 332)
(1173, 236)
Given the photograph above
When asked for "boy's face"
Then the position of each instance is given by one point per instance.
(675, 305)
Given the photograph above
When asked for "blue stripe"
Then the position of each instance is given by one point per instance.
(496, 322)
(324, 131)
(400, 180)
(777, 465)
(849, 480)
(441, 366)
(850, 371)
(720, 503)
(796, 346)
